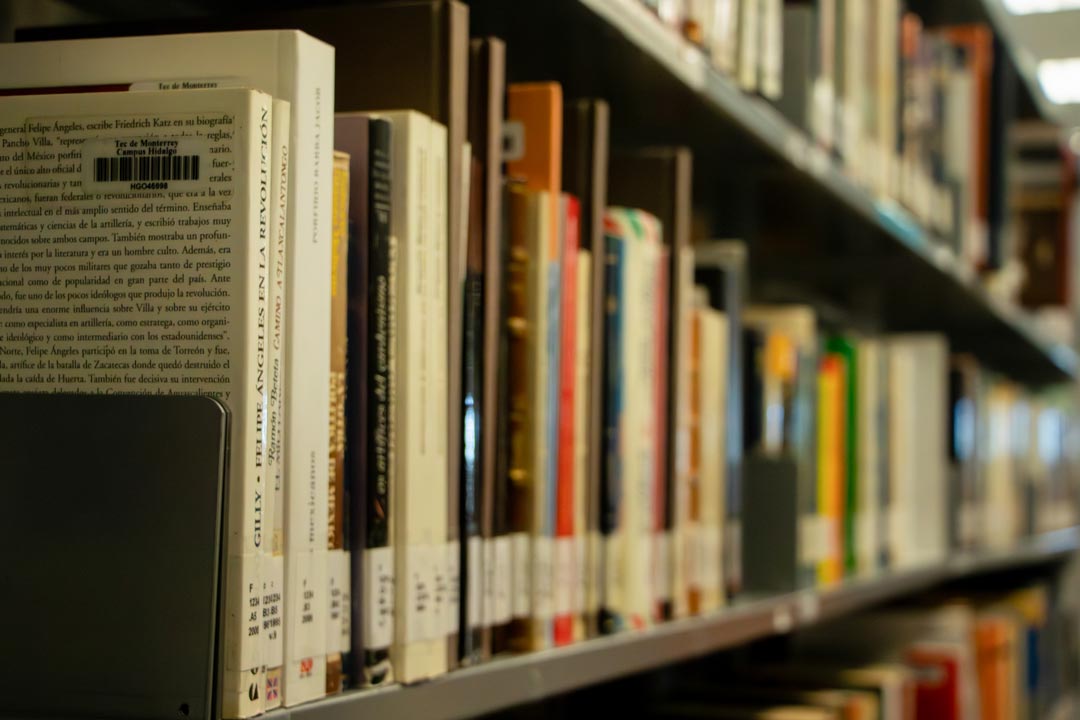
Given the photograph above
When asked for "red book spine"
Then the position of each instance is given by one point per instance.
(938, 691)
(662, 578)
(564, 494)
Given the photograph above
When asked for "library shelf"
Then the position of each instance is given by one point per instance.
(516, 680)
(816, 234)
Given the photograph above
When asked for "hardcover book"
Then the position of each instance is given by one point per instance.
(153, 271)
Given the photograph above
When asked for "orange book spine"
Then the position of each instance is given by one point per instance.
(564, 494)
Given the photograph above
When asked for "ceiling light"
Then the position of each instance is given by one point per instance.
(1060, 80)
(1030, 7)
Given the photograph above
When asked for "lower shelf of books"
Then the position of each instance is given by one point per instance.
(516, 680)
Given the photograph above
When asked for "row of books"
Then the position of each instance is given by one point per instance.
(905, 109)
(539, 394)
(888, 452)
(1001, 654)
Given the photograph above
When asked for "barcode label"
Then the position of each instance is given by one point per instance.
(147, 168)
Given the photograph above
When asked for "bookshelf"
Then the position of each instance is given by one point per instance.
(506, 682)
(663, 90)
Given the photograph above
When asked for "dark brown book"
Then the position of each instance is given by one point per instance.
(658, 181)
(516, 498)
(585, 175)
(487, 106)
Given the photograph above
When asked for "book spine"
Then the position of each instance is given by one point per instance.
(410, 222)
(546, 408)
(244, 673)
(663, 496)
(519, 478)
(582, 380)
(274, 571)
(498, 572)
(472, 500)
(612, 603)
(639, 452)
(445, 547)
(307, 366)
(487, 88)
(567, 453)
(711, 499)
(335, 496)
(377, 605)
(692, 541)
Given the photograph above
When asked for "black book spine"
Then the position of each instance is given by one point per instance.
(351, 136)
(500, 491)
(470, 636)
(379, 368)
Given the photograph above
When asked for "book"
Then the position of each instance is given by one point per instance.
(335, 560)
(273, 572)
(298, 69)
(918, 492)
(369, 400)
(871, 456)
(831, 427)
(566, 481)
(534, 113)
(143, 338)
(585, 175)
(846, 351)
(487, 92)
(663, 512)
(712, 451)
(658, 181)
(585, 559)
(721, 268)
(417, 493)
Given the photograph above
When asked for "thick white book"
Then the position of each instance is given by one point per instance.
(436, 412)
(918, 454)
(295, 67)
(749, 44)
(137, 240)
(273, 575)
(417, 488)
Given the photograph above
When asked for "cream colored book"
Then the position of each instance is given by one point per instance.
(131, 265)
(417, 490)
(713, 372)
(273, 575)
(297, 68)
(918, 454)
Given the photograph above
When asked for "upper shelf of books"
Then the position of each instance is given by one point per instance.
(817, 231)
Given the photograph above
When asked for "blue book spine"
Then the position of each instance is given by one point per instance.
(611, 619)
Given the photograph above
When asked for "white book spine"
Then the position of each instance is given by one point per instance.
(437, 411)
(309, 83)
(273, 606)
(749, 37)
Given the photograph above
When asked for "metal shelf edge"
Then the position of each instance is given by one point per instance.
(506, 682)
(767, 126)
